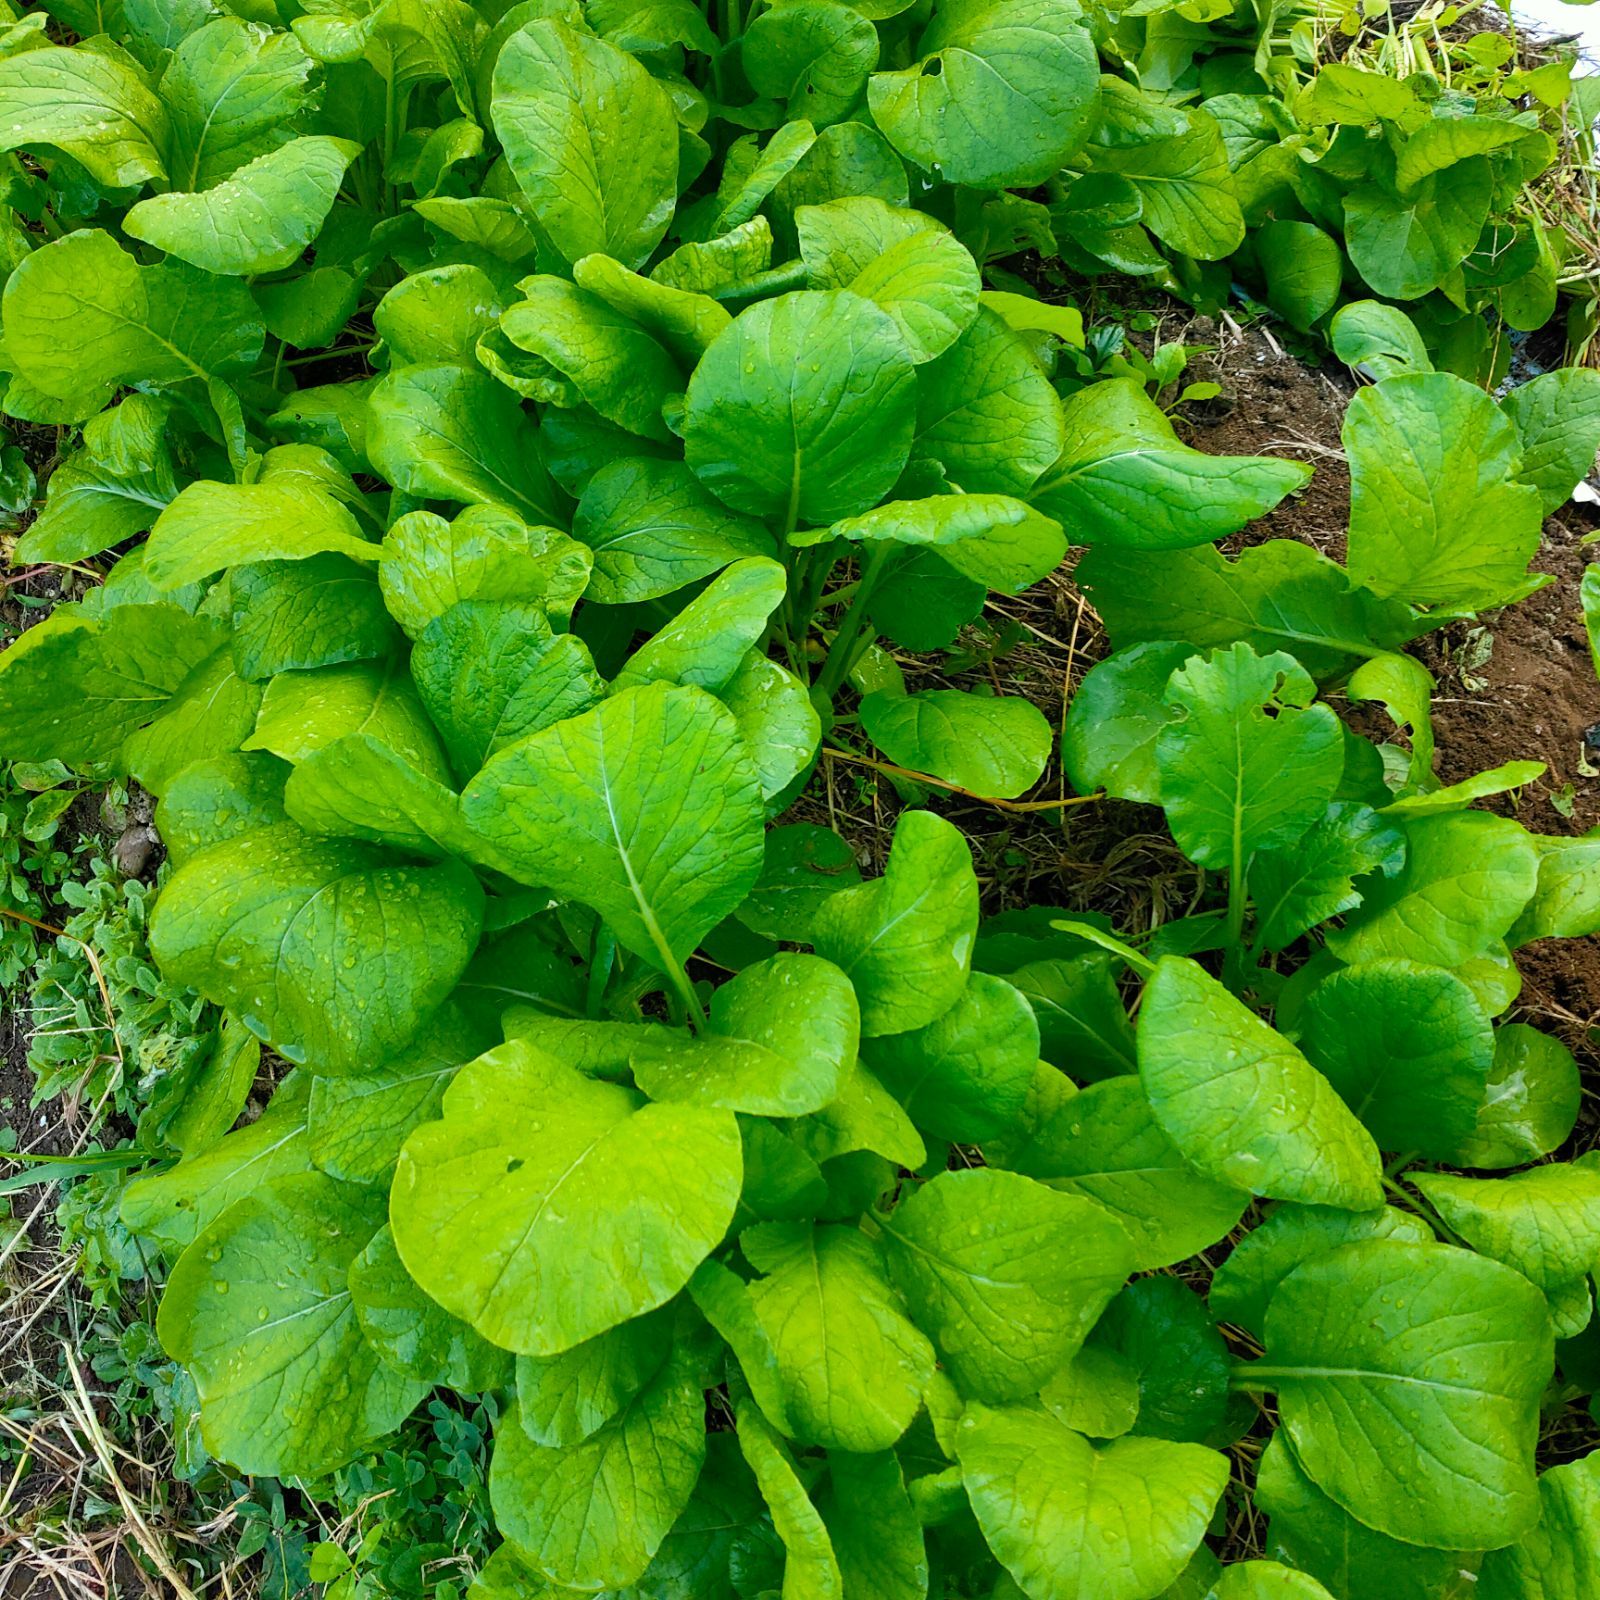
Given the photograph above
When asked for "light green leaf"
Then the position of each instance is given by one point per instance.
(220, 798)
(210, 526)
(965, 1076)
(295, 615)
(1096, 1393)
(562, 1400)
(260, 220)
(218, 1091)
(1125, 478)
(782, 1036)
(777, 721)
(590, 137)
(1545, 1222)
(865, 1116)
(510, 1211)
(1006, 1275)
(592, 1515)
(905, 939)
(1109, 739)
(1408, 1379)
(448, 433)
(1106, 1144)
(173, 1207)
(1265, 1580)
(259, 1306)
(437, 315)
(83, 318)
(683, 320)
(92, 105)
(1249, 761)
(1002, 95)
(1243, 1286)
(1566, 903)
(813, 54)
(1242, 1103)
(1436, 516)
(986, 411)
(1467, 876)
(212, 713)
(802, 411)
(851, 1367)
(1083, 1024)
(612, 362)
(989, 746)
(993, 539)
(288, 931)
(1303, 268)
(874, 1528)
(1557, 1559)
(413, 1335)
(1405, 247)
(1071, 1521)
(1315, 1534)
(1409, 1049)
(1302, 884)
(1162, 1329)
(704, 267)
(1530, 1104)
(654, 528)
(646, 808)
(1557, 418)
(811, 1570)
(1382, 340)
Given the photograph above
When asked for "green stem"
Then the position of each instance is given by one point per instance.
(835, 668)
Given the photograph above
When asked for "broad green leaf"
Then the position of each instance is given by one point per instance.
(1265, 1580)
(1380, 339)
(899, 259)
(1071, 1521)
(811, 1570)
(921, 602)
(1348, 95)
(1007, 1276)
(413, 1335)
(989, 746)
(217, 1094)
(259, 1306)
(732, 257)
(865, 1116)
(1243, 1286)
(562, 1400)
(1467, 876)
(1109, 738)
(1439, 448)
(233, 91)
(1003, 94)
(1566, 903)
(750, 173)
(1409, 1049)
(220, 798)
(592, 1515)
(905, 939)
(1303, 268)
(1105, 1143)
(437, 315)
(646, 808)
(802, 866)
(1083, 1024)
(723, 1298)
(92, 105)
(358, 1124)
(1531, 1102)
(212, 713)
(876, 1535)
(1557, 418)
(448, 433)
(1247, 761)
(802, 411)
(1556, 1560)
(777, 721)
(1545, 1222)
(1163, 1332)
(852, 1368)
(683, 320)
(288, 932)
(707, 642)
(1125, 478)
(1406, 246)
(83, 318)
(986, 411)
(1408, 1378)
(590, 137)
(173, 1207)
(485, 553)
(294, 615)
(1095, 1394)
(1177, 163)
(1444, 141)
(813, 54)
(509, 1210)
(1242, 1103)
(1277, 596)
(1304, 883)
(210, 526)
(964, 1076)
(1315, 1534)
(259, 220)
(782, 1036)
(612, 362)
(654, 528)
(73, 687)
